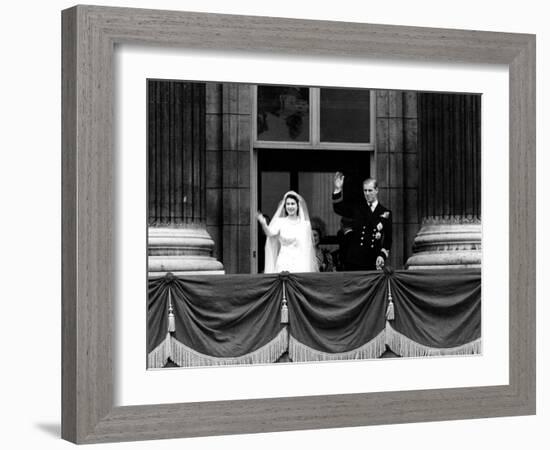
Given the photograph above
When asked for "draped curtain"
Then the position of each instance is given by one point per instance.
(244, 319)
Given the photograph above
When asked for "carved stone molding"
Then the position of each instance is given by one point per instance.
(181, 251)
(447, 245)
(454, 220)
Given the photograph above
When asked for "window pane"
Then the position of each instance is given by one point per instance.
(283, 113)
(345, 115)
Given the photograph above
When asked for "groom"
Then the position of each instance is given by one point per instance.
(371, 240)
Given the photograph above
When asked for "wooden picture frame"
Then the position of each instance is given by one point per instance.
(89, 36)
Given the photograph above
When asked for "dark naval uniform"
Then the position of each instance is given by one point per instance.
(372, 233)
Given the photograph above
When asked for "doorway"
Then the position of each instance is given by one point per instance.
(310, 173)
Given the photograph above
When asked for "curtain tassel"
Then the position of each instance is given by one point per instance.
(390, 314)
(171, 321)
(171, 317)
(284, 307)
(284, 313)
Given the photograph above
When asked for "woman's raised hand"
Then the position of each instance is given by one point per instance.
(338, 181)
(260, 217)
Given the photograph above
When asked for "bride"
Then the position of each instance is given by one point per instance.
(289, 245)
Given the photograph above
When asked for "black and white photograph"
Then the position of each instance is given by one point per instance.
(292, 224)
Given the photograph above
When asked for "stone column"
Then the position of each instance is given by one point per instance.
(397, 167)
(450, 182)
(178, 241)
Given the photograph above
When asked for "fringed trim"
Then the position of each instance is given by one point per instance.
(299, 352)
(158, 357)
(185, 356)
(404, 346)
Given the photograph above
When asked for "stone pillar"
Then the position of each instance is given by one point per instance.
(178, 241)
(450, 182)
(397, 167)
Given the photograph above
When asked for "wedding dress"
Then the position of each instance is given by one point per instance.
(290, 248)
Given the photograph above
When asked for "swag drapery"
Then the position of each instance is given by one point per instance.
(244, 319)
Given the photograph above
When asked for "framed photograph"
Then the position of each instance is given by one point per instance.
(219, 152)
(369, 242)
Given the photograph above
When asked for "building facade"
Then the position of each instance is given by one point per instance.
(219, 152)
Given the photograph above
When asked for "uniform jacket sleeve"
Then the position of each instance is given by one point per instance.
(340, 206)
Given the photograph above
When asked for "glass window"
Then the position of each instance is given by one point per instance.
(345, 115)
(283, 113)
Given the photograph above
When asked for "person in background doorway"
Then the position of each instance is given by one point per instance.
(323, 256)
(343, 237)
